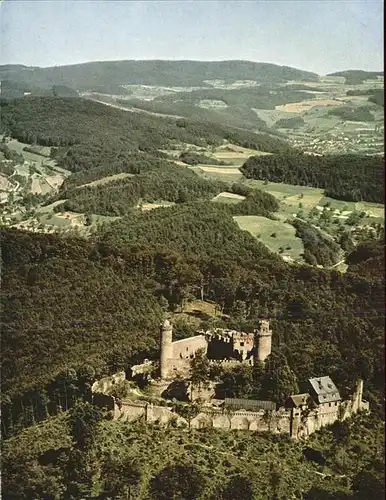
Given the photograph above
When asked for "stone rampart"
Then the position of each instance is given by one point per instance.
(107, 383)
(297, 423)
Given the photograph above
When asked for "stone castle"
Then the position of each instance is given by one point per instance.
(319, 404)
(219, 345)
(302, 415)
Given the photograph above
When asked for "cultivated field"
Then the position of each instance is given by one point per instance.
(106, 180)
(301, 107)
(230, 198)
(151, 206)
(278, 236)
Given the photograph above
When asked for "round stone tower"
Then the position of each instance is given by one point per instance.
(264, 341)
(166, 348)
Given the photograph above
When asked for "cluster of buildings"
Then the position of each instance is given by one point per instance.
(319, 404)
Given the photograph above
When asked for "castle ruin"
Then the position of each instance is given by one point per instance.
(318, 405)
(219, 345)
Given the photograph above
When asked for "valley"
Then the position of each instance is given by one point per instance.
(216, 197)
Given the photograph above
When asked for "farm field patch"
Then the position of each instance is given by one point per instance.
(106, 180)
(226, 197)
(283, 191)
(151, 206)
(373, 209)
(300, 107)
(220, 170)
(278, 236)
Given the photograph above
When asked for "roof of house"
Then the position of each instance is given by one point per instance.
(249, 404)
(324, 389)
(300, 399)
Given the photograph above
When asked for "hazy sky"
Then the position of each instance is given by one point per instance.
(317, 35)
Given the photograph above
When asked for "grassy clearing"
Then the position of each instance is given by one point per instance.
(287, 191)
(151, 206)
(220, 170)
(36, 186)
(106, 180)
(337, 204)
(57, 221)
(263, 228)
(49, 208)
(373, 209)
(224, 176)
(226, 197)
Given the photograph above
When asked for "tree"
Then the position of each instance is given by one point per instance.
(177, 482)
(199, 370)
(239, 487)
(279, 381)
(366, 485)
(84, 418)
(236, 382)
(119, 477)
(275, 479)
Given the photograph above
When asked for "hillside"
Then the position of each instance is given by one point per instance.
(76, 309)
(356, 76)
(347, 177)
(68, 122)
(110, 76)
(121, 460)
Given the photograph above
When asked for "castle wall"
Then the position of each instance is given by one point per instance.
(166, 353)
(175, 361)
(107, 383)
(163, 416)
(225, 344)
(129, 411)
(295, 423)
(186, 348)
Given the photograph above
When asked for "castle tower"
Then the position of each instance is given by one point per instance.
(357, 396)
(166, 348)
(264, 341)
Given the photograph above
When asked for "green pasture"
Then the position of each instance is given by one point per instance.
(311, 195)
(49, 208)
(376, 209)
(219, 174)
(228, 198)
(54, 220)
(263, 228)
(22, 170)
(106, 180)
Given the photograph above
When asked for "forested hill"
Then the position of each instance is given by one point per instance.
(111, 75)
(357, 76)
(347, 177)
(68, 122)
(68, 302)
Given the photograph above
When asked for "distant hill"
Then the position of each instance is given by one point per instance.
(357, 76)
(108, 76)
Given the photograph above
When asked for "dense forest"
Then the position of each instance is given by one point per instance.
(354, 114)
(357, 76)
(347, 177)
(71, 457)
(75, 309)
(69, 122)
(261, 97)
(111, 76)
(158, 181)
(236, 105)
(170, 183)
(293, 122)
(65, 277)
(319, 249)
(377, 96)
(235, 116)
